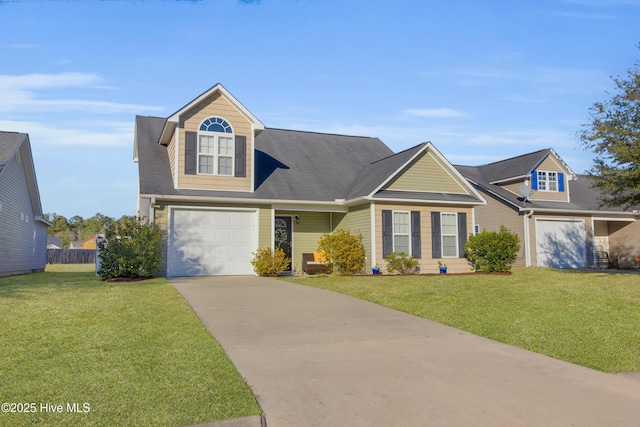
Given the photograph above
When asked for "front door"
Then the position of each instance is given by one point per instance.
(283, 236)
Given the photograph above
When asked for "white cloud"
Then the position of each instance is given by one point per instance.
(19, 93)
(436, 112)
(119, 135)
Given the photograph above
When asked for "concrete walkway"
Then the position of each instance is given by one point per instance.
(318, 358)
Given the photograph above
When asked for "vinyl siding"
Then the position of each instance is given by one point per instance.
(23, 245)
(624, 242)
(358, 219)
(588, 232)
(427, 264)
(495, 214)
(171, 151)
(427, 174)
(307, 233)
(216, 105)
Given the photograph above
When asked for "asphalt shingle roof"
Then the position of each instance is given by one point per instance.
(9, 143)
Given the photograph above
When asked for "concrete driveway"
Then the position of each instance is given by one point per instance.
(318, 358)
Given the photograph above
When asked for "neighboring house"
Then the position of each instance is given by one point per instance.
(23, 230)
(89, 243)
(54, 242)
(220, 185)
(554, 211)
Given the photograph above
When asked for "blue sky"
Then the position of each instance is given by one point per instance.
(482, 80)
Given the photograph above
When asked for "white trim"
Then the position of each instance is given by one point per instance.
(372, 208)
(394, 233)
(273, 229)
(296, 206)
(176, 161)
(457, 255)
(216, 148)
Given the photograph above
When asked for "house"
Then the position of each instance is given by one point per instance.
(554, 211)
(23, 236)
(220, 184)
(54, 242)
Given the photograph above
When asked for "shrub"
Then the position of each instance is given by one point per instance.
(267, 262)
(345, 251)
(492, 250)
(132, 248)
(402, 263)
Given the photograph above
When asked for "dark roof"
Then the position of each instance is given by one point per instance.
(290, 165)
(513, 167)
(10, 142)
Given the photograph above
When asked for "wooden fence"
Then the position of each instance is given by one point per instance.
(71, 256)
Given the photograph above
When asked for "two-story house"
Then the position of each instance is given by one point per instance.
(554, 211)
(220, 184)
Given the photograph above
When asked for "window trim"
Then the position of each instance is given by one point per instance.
(546, 182)
(394, 233)
(214, 151)
(443, 235)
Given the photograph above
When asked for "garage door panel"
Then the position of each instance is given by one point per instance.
(210, 242)
(561, 243)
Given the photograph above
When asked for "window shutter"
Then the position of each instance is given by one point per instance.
(436, 236)
(191, 154)
(387, 232)
(462, 233)
(534, 180)
(416, 246)
(241, 156)
(560, 181)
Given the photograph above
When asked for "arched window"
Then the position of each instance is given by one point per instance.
(215, 147)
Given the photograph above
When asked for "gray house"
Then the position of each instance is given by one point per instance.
(554, 211)
(23, 230)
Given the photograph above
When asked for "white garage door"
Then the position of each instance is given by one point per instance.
(211, 242)
(561, 244)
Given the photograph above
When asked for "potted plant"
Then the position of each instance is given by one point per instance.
(442, 267)
(375, 269)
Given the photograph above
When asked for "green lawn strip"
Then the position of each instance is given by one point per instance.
(135, 352)
(591, 319)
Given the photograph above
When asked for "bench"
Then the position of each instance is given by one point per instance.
(604, 261)
(310, 266)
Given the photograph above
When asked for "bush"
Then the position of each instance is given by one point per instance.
(492, 250)
(402, 263)
(132, 248)
(345, 251)
(268, 263)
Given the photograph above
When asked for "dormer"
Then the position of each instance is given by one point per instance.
(210, 142)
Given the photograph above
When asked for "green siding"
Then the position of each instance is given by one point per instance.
(306, 233)
(426, 174)
(358, 219)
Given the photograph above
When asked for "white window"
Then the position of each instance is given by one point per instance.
(402, 232)
(547, 181)
(215, 147)
(449, 229)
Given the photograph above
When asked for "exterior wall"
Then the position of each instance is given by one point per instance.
(23, 242)
(171, 151)
(624, 242)
(495, 214)
(427, 174)
(550, 165)
(306, 233)
(215, 105)
(427, 263)
(161, 219)
(588, 231)
(358, 219)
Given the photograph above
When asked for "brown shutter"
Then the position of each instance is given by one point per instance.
(241, 156)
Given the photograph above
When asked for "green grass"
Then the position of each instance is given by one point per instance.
(134, 352)
(591, 319)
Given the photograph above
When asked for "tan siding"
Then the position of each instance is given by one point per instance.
(23, 245)
(550, 165)
(306, 233)
(426, 173)
(171, 151)
(514, 187)
(427, 263)
(215, 105)
(495, 214)
(358, 219)
(624, 242)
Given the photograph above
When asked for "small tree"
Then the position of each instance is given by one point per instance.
(345, 251)
(132, 248)
(402, 263)
(267, 262)
(492, 250)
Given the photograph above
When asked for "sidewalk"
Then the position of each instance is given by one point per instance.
(318, 358)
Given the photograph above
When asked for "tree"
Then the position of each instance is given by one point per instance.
(613, 134)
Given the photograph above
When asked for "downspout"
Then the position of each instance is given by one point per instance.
(527, 238)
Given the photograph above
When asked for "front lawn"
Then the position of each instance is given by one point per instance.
(591, 319)
(109, 354)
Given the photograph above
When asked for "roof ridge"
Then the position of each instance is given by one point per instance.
(320, 133)
(512, 158)
(399, 152)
